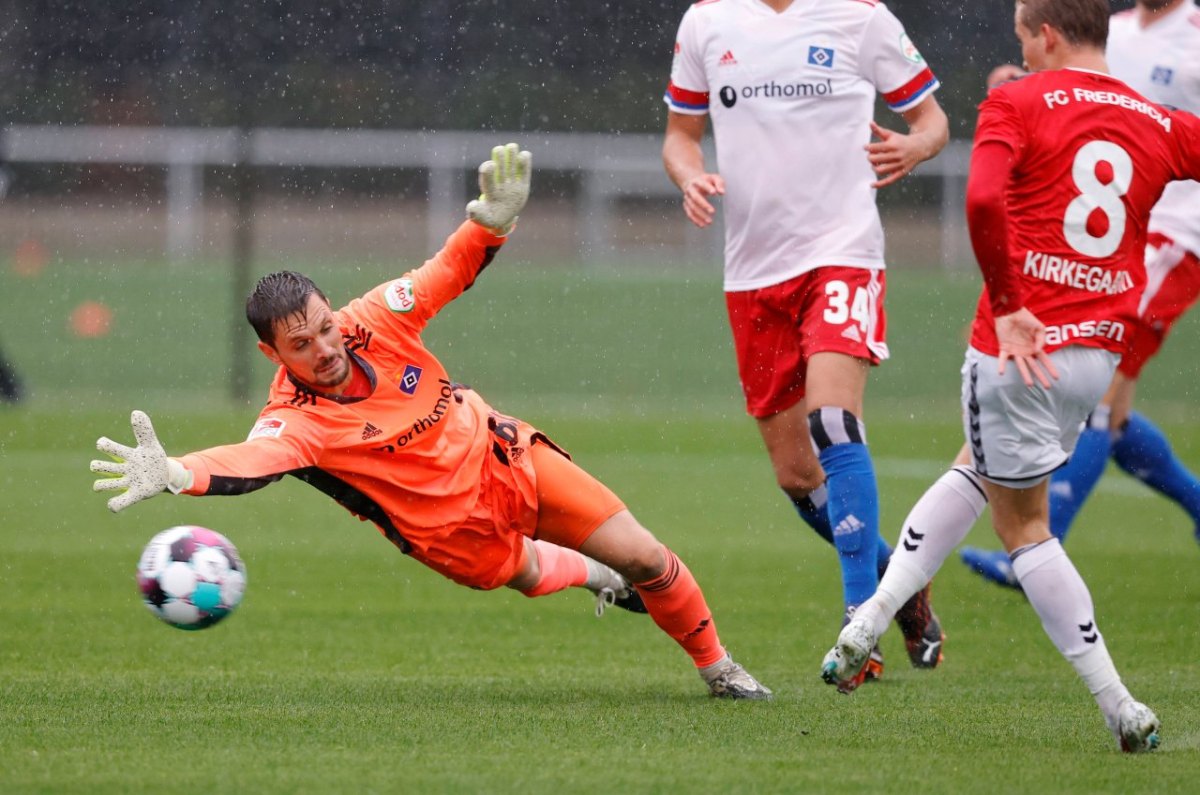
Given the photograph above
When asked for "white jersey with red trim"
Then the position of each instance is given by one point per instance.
(792, 97)
(1162, 63)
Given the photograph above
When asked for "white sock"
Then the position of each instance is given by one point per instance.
(937, 524)
(1063, 603)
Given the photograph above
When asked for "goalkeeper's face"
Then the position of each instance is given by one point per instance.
(309, 344)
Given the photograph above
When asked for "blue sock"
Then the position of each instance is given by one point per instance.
(853, 499)
(1143, 451)
(1071, 485)
(813, 509)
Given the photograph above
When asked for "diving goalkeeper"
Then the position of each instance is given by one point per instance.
(360, 409)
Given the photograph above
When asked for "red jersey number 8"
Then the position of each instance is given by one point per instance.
(1095, 195)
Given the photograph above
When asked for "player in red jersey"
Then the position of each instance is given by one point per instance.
(360, 409)
(1153, 48)
(1066, 166)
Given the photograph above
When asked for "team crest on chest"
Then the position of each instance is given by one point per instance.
(821, 56)
(409, 379)
(399, 296)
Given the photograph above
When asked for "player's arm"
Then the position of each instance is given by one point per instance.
(145, 470)
(420, 294)
(897, 154)
(683, 158)
(1021, 335)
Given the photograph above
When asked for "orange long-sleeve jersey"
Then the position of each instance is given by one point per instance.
(411, 456)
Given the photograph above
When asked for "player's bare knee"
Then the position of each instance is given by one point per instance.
(645, 564)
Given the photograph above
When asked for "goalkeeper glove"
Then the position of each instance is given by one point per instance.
(143, 471)
(503, 189)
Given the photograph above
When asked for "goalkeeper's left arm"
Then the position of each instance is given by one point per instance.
(503, 189)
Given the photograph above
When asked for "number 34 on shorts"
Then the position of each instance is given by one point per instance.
(845, 314)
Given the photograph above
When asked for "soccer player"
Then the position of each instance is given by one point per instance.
(1067, 163)
(792, 88)
(360, 409)
(1153, 48)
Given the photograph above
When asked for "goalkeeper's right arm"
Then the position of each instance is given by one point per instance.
(142, 471)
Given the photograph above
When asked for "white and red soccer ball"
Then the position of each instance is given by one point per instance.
(191, 577)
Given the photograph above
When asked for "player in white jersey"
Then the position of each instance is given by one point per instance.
(1155, 49)
(790, 86)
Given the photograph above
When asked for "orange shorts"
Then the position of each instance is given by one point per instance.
(530, 489)
(777, 328)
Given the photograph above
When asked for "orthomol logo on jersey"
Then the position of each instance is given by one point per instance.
(731, 95)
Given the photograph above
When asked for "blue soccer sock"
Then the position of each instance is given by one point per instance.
(813, 509)
(1071, 484)
(1143, 451)
(853, 499)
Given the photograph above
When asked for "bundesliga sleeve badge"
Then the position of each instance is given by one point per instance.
(269, 427)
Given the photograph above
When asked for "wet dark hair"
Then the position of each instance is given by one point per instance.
(276, 296)
(1081, 22)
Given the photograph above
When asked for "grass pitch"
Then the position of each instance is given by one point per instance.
(349, 668)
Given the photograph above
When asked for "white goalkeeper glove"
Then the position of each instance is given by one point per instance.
(503, 189)
(143, 471)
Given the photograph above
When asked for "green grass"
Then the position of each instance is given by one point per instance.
(350, 668)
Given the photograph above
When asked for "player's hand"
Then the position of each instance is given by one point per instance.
(893, 155)
(696, 191)
(503, 189)
(142, 471)
(1022, 338)
(1003, 73)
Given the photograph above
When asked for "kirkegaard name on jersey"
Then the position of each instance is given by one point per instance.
(1061, 270)
(399, 296)
(267, 427)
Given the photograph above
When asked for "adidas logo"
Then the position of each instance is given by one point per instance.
(370, 432)
(727, 59)
(851, 524)
(852, 333)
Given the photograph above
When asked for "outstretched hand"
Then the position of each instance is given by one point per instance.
(1022, 339)
(142, 471)
(503, 189)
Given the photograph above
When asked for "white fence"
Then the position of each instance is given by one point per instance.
(610, 167)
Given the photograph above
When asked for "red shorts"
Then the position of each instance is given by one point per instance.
(1172, 286)
(776, 329)
(530, 488)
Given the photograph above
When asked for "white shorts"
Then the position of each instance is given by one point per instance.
(1018, 435)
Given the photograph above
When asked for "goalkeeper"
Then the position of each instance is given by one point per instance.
(361, 410)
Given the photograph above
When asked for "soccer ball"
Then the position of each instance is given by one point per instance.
(191, 577)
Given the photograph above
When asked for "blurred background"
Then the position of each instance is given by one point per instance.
(156, 157)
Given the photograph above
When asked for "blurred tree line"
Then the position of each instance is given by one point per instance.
(484, 64)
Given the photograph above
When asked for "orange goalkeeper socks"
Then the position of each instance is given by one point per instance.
(677, 605)
(558, 568)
